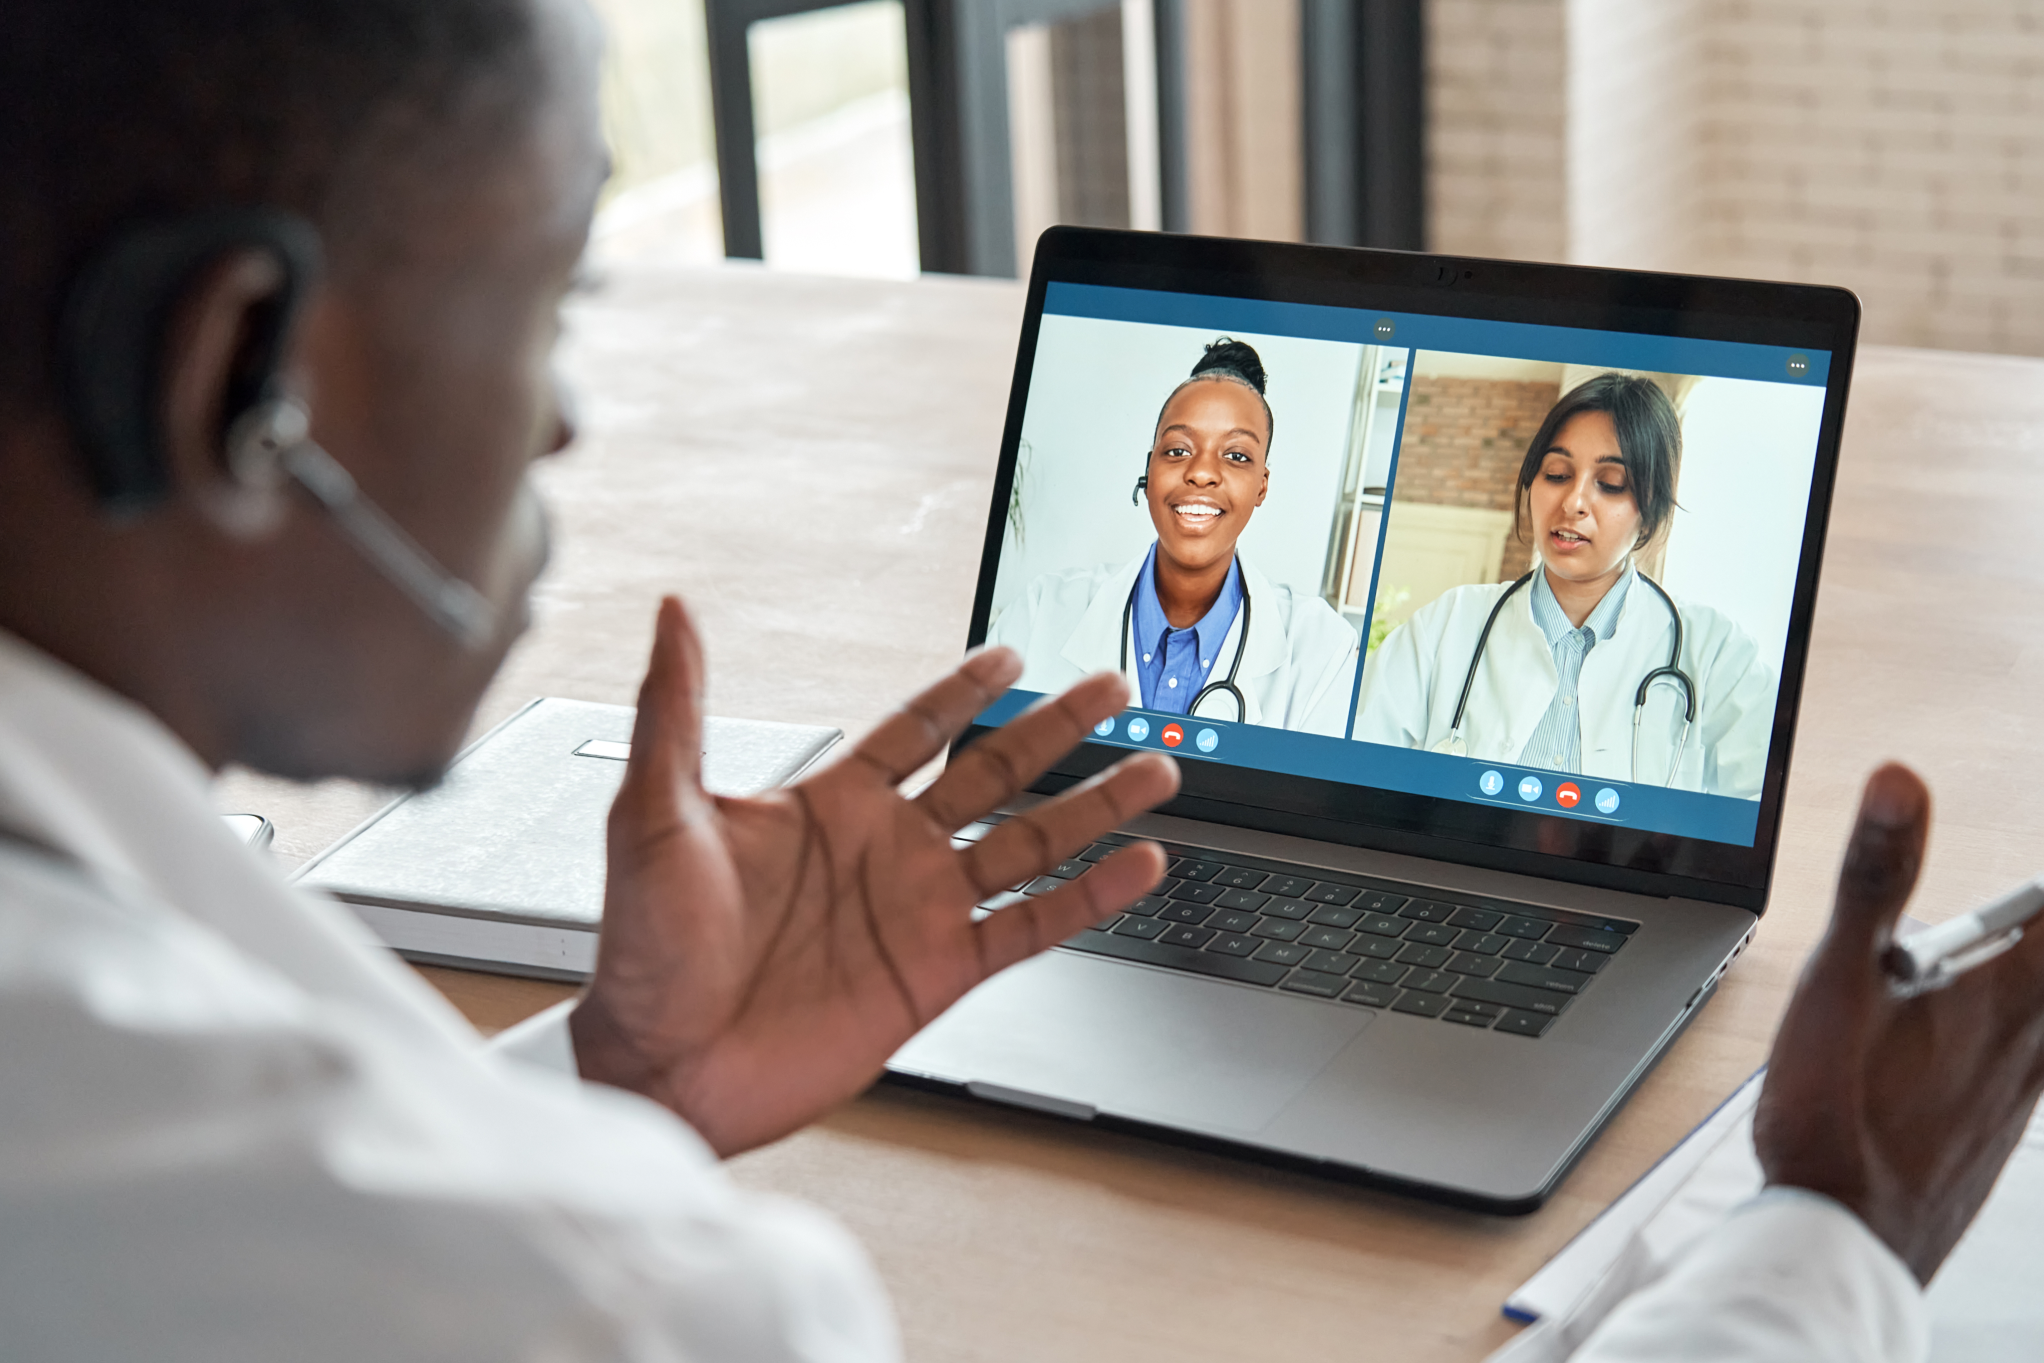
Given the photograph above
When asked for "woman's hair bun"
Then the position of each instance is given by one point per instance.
(1230, 356)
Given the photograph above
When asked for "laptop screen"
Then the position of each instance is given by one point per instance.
(1543, 571)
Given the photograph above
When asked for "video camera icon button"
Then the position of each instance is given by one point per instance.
(1138, 729)
(1530, 788)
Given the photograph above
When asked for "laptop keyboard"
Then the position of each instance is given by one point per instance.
(1478, 962)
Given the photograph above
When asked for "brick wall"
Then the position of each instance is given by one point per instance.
(1497, 181)
(1892, 147)
(1464, 440)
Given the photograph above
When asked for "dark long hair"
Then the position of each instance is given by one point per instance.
(1649, 445)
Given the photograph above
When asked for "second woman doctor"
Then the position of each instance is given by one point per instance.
(1195, 627)
(1549, 671)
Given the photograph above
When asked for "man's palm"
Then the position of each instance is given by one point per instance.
(761, 958)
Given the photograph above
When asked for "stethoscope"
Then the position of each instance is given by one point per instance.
(1672, 673)
(1227, 683)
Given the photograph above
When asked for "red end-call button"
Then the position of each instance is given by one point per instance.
(1173, 735)
(1567, 794)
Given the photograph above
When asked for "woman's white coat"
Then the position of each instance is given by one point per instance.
(1298, 666)
(1415, 676)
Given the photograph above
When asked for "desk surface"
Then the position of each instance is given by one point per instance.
(809, 461)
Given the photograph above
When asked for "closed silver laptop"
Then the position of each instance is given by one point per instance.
(1473, 598)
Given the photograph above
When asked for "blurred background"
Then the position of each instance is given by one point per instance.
(1897, 149)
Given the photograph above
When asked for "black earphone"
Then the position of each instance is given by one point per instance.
(1135, 498)
(111, 340)
(115, 325)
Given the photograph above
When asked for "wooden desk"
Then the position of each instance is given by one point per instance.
(809, 461)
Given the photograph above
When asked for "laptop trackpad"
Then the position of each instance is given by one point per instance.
(1135, 1042)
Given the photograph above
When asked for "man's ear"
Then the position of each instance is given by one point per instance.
(223, 328)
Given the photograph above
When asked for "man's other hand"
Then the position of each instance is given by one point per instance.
(761, 958)
(1902, 1109)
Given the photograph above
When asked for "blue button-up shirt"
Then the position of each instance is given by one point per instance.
(1174, 664)
(1557, 740)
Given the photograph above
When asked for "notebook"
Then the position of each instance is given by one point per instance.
(500, 867)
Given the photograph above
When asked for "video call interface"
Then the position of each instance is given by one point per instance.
(1421, 554)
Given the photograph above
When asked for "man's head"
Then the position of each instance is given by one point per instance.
(447, 154)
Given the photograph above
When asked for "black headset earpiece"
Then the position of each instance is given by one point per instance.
(115, 326)
(1135, 498)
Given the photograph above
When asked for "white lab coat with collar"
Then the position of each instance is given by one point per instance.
(1415, 677)
(1298, 666)
(235, 1128)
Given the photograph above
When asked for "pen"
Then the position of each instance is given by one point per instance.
(1936, 956)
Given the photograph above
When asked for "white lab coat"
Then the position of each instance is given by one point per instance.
(1415, 677)
(1298, 666)
(236, 1129)
(233, 1128)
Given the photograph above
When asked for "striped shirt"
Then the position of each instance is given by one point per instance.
(1557, 740)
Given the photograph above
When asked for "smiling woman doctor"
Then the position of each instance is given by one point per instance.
(1585, 665)
(1195, 627)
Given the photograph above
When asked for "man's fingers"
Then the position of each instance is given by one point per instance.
(1881, 863)
(1003, 763)
(919, 730)
(1042, 921)
(1030, 844)
(667, 735)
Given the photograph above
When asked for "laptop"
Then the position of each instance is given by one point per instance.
(1473, 598)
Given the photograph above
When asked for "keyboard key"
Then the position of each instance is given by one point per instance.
(1286, 887)
(1181, 958)
(1188, 869)
(1178, 911)
(1468, 963)
(1315, 983)
(1043, 885)
(1148, 905)
(1380, 972)
(1589, 962)
(1544, 977)
(1512, 996)
(1108, 926)
(1164, 887)
(1333, 962)
(1382, 924)
(1481, 1009)
(1282, 953)
(1371, 995)
(1482, 920)
(1382, 948)
(1539, 953)
(1232, 920)
(1287, 908)
(1331, 894)
(1533, 929)
(1430, 981)
(1278, 930)
(1334, 916)
(1586, 939)
(1333, 939)
(1197, 893)
(1241, 899)
(1070, 870)
(1099, 851)
(1482, 943)
(1233, 944)
(1426, 1005)
(1241, 878)
(1431, 934)
(1428, 911)
(1521, 1023)
(1424, 956)
(1381, 901)
(1187, 937)
(1145, 928)
(1469, 1019)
